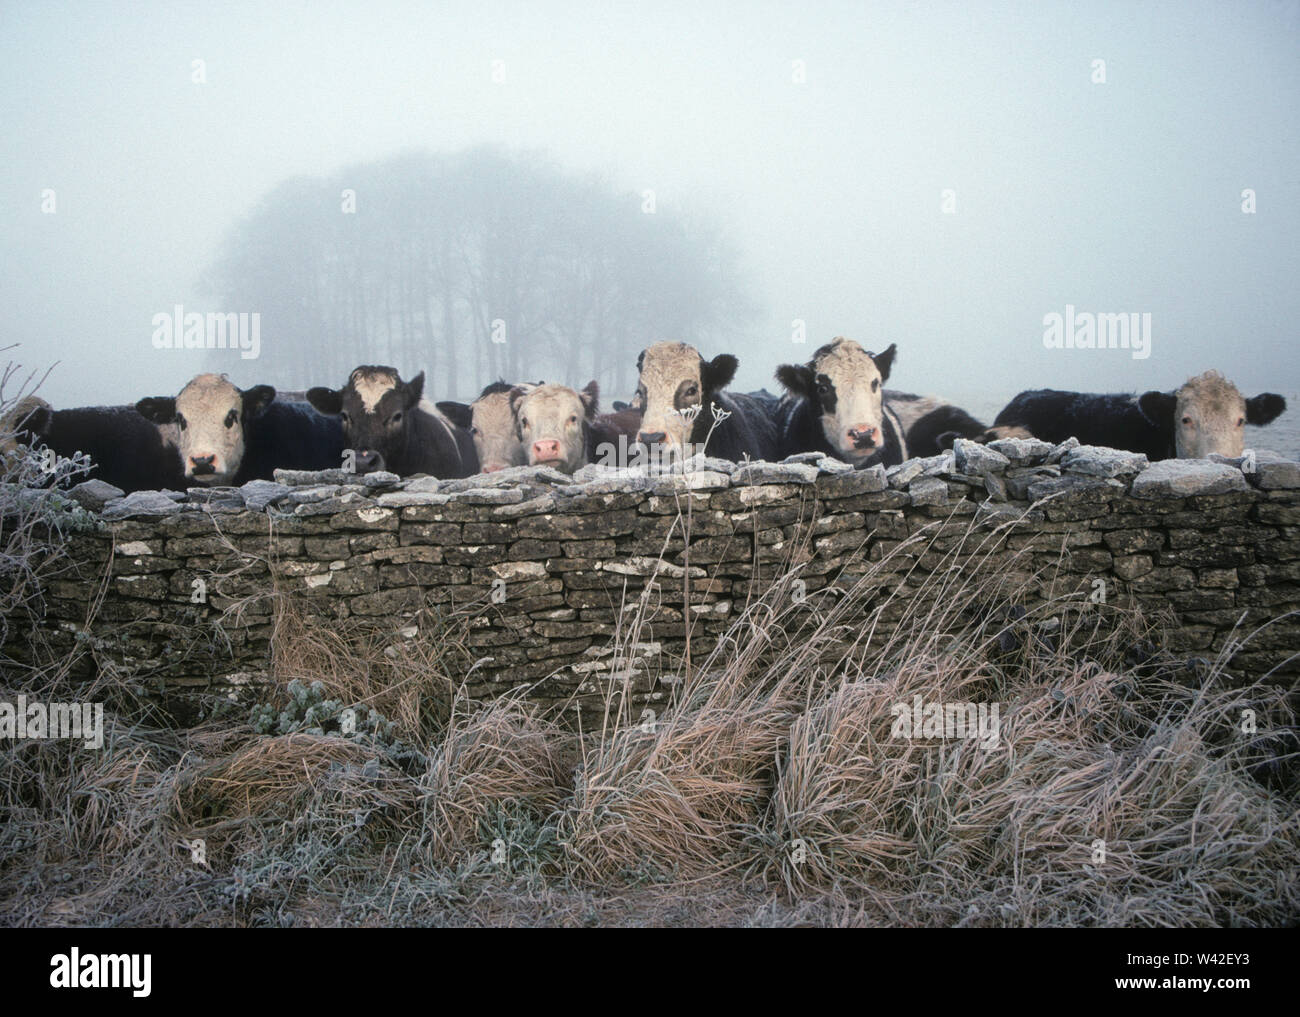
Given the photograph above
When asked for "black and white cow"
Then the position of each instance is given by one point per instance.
(390, 428)
(127, 450)
(835, 404)
(228, 435)
(1206, 415)
(683, 404)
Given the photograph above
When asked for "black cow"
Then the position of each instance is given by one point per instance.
(127, 450)
(1206, 415)
(835, 404)
(389, 428)
(229, 435)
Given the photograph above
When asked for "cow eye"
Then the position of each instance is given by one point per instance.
(573, 419)
(1241, 421)
(231, 417)
(343, 416)
(875, 385)
(180, 421)
(524, 422)
(474, 431)
(693, 390)
(1187, 421)
(396, 418)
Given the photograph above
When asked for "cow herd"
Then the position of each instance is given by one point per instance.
(213, 433)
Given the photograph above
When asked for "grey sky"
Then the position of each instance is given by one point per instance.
(1123, 196)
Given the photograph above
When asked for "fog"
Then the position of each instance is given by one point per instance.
(939, 176)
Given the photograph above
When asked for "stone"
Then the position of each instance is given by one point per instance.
(314, 478)
(904, 473)
(141, 503)
(974, 459)
(408, 497)
(93, 495)
(1099, 461)
(928, 491)
(258, 494)
(1059, 451)
(1178, 478)
(1022, 451)
(675, 483)
(774, 473)
(380, 478)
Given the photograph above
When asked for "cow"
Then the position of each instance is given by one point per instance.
(491, 425)
(1206, 415)
(835, 404)
(561, 427)
(229, 436)
(683, 404)
(126, 450)
(389, 428)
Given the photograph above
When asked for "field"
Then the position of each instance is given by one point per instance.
(1119, 787)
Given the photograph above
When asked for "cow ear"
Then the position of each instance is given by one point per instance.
(460, 414)
(159, 409)
(326, 400)
(1264, 408)
(885, 361)
(590, 398)
(797, 379)
(639, 361)
(718, 372)
(257, 399)
(415, 389)
(1159, 409)
(34, 420)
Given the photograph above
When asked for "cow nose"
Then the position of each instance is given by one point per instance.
(200, 465)
(369, 461)
(546, 448)
(650, 437)
(862, 434)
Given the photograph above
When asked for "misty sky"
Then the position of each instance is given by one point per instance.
(1115, 197)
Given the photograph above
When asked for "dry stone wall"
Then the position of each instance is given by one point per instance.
(545, 574)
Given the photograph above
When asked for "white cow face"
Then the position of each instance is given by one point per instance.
(211, 416)
(675, 388)
(1208, 415)
(845, 385)
(552, 422)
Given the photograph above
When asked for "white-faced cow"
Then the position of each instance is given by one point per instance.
(491, 423)
(389, 428)
(1206, 415)
(683, 404)
(229, 435)
(127, 450)
(835, 404)
(554, 424)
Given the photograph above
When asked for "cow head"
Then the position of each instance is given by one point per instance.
(211, 417)
(845, 386)
(491, 423)
(25, 423)
(552, 422)
(1208, 415)
(674, 381)
(377, 410)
